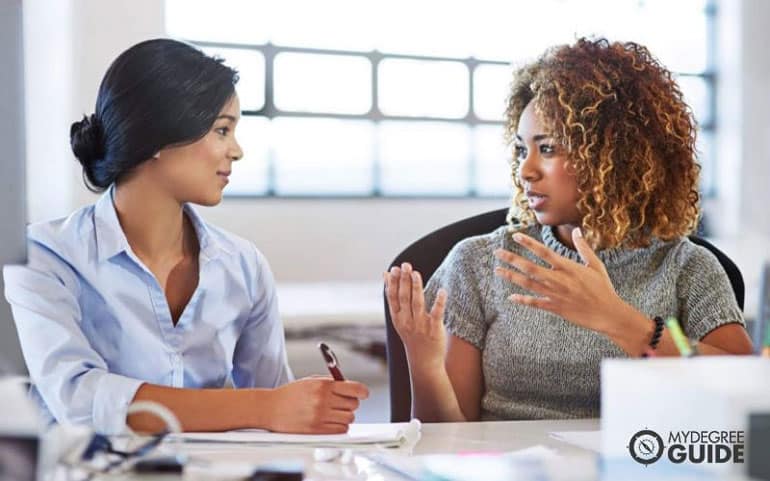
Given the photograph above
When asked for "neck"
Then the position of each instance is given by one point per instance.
(564, 234)
(152, 220)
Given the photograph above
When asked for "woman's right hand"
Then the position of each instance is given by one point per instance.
(315, 405)
(421, 331)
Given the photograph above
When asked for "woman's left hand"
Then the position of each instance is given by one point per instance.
(580, 293)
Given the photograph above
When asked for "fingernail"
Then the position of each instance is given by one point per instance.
(578, 232)
(518, 237)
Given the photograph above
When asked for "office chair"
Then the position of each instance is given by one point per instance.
(427, 253)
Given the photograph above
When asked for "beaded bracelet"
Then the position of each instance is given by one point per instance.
(656, 334)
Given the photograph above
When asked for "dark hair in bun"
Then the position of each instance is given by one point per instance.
(155, 94)
(87, 143)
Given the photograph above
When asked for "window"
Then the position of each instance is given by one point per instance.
(398, 98)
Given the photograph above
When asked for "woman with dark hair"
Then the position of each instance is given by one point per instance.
(514, 324)
(136, 297)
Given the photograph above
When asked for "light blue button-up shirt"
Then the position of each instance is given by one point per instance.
(94, 323)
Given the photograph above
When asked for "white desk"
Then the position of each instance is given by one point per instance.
(571, 463)
(436, 439)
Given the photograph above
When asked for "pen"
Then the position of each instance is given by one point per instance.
(681, 341)
(331, 361)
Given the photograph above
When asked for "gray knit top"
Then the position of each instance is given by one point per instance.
(536, 364)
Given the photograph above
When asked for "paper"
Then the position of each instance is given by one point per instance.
(533, 452)
(591, 440)
(385, 435)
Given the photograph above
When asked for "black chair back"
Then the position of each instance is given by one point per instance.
(427, 253)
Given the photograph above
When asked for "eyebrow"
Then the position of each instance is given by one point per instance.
(536, 138)
(228, 117)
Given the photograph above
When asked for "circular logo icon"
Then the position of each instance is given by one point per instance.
(646, 447)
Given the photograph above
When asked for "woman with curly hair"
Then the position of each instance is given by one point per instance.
(595, 253)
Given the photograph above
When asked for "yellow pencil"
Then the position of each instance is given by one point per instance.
(680, 340)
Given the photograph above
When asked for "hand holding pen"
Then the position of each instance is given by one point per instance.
(317, 405)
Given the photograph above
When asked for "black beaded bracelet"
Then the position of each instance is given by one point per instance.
(657, 333)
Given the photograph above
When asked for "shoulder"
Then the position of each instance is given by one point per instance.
(58, 249)
(67, 241)
(689, 256)
(239, 252)
(472, 247)
(66, 233)
(477, 252)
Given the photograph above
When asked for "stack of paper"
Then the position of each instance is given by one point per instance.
(384, 435)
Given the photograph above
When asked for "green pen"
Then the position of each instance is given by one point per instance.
(681, 341)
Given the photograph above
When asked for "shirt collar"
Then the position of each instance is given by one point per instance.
(111, 241)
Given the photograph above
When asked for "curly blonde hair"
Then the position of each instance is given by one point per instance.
(629, 137)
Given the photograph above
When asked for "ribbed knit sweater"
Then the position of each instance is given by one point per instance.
(538, 365)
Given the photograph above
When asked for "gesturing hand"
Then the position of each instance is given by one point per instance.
(421, 331)
(580, 293)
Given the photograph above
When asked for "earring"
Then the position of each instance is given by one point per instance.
(156, 156)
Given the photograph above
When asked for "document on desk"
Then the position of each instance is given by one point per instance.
(591, 440)
(361, 435)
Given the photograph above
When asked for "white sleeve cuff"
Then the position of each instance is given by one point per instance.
(113, 395)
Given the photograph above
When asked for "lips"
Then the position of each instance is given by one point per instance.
(536, 199)
(224, 175)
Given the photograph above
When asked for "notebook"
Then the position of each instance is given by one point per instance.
(378, 434)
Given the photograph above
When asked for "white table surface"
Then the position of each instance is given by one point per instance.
(440, 438)
(566, 461)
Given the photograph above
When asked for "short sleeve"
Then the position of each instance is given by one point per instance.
(706, 297)
(464, 274)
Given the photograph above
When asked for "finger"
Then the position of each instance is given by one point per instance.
(332, 428)
(541, 251)
(405, 289)
(344, 403)
(523, 281)
(586, 253)
(532, 301)
(418, 297)
(392, 289)
(524, 265)
(350, 389)
(338, 416)
(439, 305)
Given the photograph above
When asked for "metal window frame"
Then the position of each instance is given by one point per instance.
(270, 110)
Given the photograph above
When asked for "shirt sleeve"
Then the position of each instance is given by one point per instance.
(464, 275)
(72, 378)
(706, 297)
(259, 359)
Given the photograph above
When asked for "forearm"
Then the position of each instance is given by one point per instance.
(433, 397)
(204, 409)
(632, 331)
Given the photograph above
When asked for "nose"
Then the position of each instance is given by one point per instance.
(529, 167)
(235, 152)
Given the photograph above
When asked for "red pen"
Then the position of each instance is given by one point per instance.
(331, 361)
